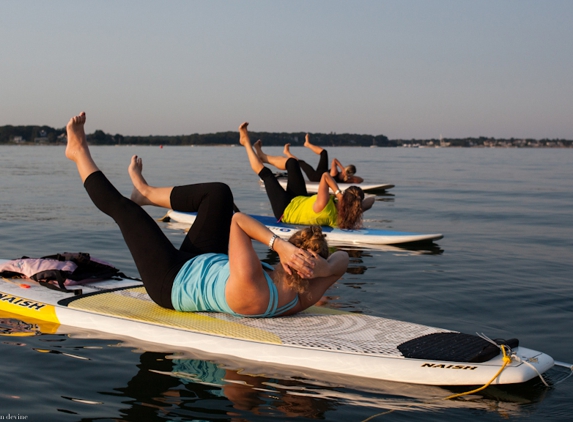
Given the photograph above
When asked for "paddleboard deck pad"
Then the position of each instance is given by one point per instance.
(333, 235)
(312, 187)
(318, 339)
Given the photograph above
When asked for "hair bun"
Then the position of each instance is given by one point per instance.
(355, 191)
(316, 232)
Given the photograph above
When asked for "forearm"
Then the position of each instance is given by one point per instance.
(253, 228)
(289, 255)
(338, 262)
(334, 266)
(327, 273)
(334, 167)
(329, 181)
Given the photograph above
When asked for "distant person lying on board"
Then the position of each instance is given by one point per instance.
(293, 204)
(338, 172)
(216, 267)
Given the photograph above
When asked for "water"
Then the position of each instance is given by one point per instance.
(504, 268)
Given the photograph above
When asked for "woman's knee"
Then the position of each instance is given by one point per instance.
(265, 172)
(221, 192)
(292, 164)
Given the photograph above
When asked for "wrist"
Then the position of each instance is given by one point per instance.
(272, 241)
(338, 192)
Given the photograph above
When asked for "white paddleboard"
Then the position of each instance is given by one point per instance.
(333, 235)
(320, 339)
(312, 187)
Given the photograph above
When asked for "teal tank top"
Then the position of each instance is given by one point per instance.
(200, 287)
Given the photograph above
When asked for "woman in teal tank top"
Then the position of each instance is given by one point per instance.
(293, 204)
(216, 267)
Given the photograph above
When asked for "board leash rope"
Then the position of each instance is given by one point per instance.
(564, 365)
(508, 357)
(506, 361)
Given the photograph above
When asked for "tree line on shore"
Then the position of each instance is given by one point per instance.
(45, 135)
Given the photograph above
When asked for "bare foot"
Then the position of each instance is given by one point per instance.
(140, 186)
(314, 148)
(77, 144)
(244, 139)
(258, 147)
(286, 151)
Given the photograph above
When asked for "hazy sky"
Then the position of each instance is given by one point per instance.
(402, 68)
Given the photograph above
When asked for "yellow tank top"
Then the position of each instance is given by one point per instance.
(300, 211)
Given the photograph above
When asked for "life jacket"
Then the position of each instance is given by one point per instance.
(61, 270)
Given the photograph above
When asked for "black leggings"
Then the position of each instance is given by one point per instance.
(157, 260)
(279, 197)
(322, 167)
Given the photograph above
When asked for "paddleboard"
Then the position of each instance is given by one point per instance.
(319, 339)
(333, 235)
(312, 187)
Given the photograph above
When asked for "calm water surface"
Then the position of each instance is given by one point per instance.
(504, 268)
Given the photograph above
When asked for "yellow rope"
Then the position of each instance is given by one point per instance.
(506, 361)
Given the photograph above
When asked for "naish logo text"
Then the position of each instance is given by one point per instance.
(442, 366)
(25, 303)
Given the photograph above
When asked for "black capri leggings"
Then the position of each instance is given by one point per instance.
(157, 260)
(322, 167)
(279, 197)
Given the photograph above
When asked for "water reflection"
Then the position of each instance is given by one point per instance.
(193, 388)
(358, 253)
(16, 328)
(412, 248)
(198, 386)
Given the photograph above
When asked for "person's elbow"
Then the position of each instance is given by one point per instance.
(238, 217)
(341, 262)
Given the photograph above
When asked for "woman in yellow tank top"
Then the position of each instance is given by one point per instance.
(293, 204)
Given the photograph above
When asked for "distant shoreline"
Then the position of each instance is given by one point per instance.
(45, 135)
(60, 144)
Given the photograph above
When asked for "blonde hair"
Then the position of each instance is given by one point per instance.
(350, 209)
(350, 170)
(310, 239)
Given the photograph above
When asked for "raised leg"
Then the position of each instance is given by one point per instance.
(275, 160)
(314, 148)
(77, 148)
(245, 140)
(143, 193)
(287, 153)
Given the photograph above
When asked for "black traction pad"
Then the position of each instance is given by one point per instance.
(453, 347)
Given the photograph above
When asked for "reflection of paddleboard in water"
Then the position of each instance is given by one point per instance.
(334, 236)
(312, 187)
(318, 339)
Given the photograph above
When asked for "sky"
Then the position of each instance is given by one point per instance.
(407, 69)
